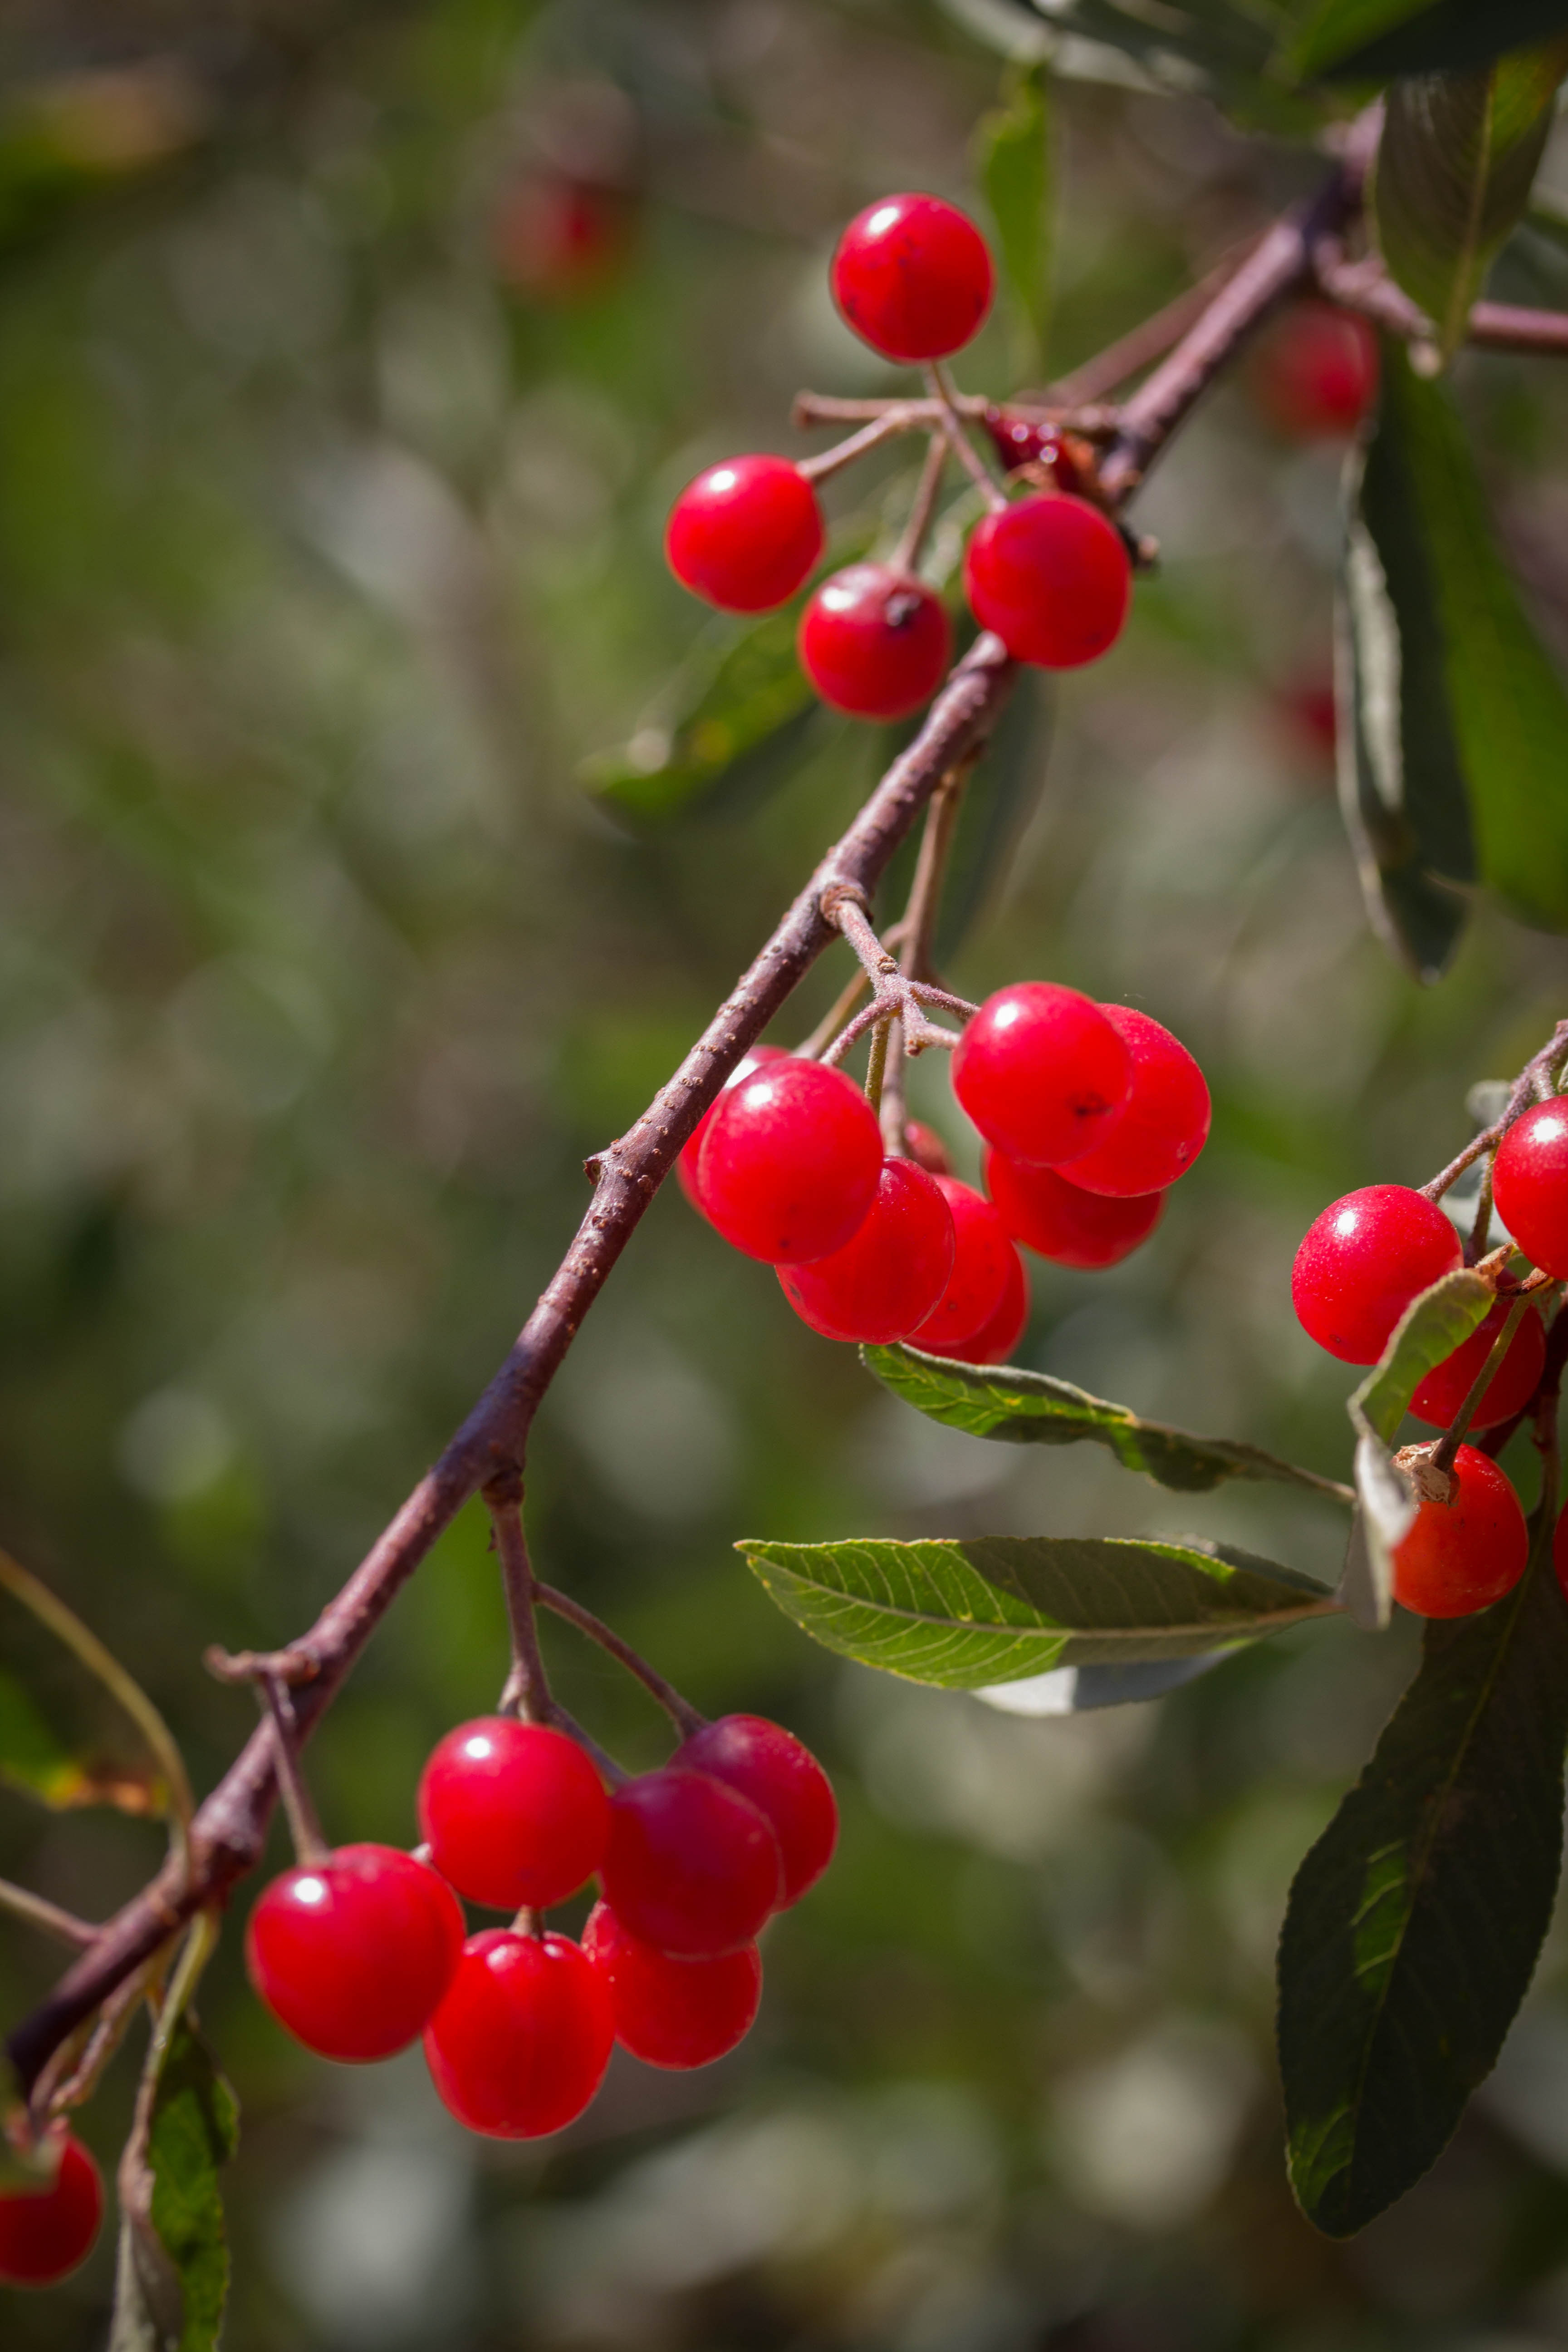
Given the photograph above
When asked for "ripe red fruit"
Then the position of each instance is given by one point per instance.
(1462, 1556)
(558, 238)
(926, 1148)
(1512, 1386)
(779, 1775)
(1032, 441)
(891, 1273)
(998, 1337)
(1165, 1122)
(1049, 574)
(1530, 1184)
(1042, 1073)
(912, 276)
(1055, 1218)
(353, 1954)
(693, 1867)
(520, 2042)
(691, 1151)
(46, 2231)
(1315, 376)
(874, 642)
(1360, 1264)
(513, 1812)
(982, 1258)
(671, 2012)
(1560, 1551)
(791, 1162)
(745, 534)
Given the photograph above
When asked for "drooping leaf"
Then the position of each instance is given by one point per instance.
(1441, 1319)
(1025, 1408)
(1455, 164)
(34, 1758)
(997, 1608)
(1015, 168)
(1454, 717)
(1078, 1690)
(1414, 1922)
(1370, 40)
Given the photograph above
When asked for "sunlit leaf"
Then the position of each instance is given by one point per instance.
(1026, 1408)
(997, 1608)
(1414, 1922)
(1014, 162)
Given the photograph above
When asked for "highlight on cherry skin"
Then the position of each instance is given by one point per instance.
(1530, 1184)
(745, 534)
(513, 1813)
(45, 2231)
(1363, 1261)
(791, 1162)
(1042, 1073)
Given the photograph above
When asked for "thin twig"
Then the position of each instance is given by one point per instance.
(1541, 1067)
(304, 1827)
(682, 1712)
(1149, 340)
(911, 539)
(958, 440)
(1365, 286)
(877, 1063)
(526, 1691)
(811, 1048)
(39, 1912)
(870, 436)
(1442, 1454)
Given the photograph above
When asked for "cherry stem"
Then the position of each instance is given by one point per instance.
(1453, 1437)
(877, 1063)
(1541, 1072)
(310, 1846)
(958, 440)
(680, 1711)
(919, 929)
(60, 2090)
(870, 436)
(528, 1921)
(526, 1691)
(812, 1048)
(39, 1912)
(1095, 423)
(615, 1774)
(911, 539)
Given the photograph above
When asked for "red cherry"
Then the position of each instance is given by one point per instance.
(1512, 1386)
(1363, 1261)
(1031, 441)
(1165, 1122)
(874, 642)
(1530, 1184)
(691, 1151)
(46, 2231)
(1050, 576)
(791, 1162)
(1559, 1551)
(1042, 1073)
(559, 238)
(693, 1868)
(513, 1813)
(672, 2013)
(353, 1954)
(779, 1775)
(1315, 376)
(913, 277)
(1462, 1556)
(982, 1261)
(891, 1273)
(926, 1148)
(1059, 1220)
(745, 534)
(520, 2042)
(994, 1341)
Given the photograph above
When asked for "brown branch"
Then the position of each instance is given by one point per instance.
(229, 1827)
(1367, 287)
(1526, 1089)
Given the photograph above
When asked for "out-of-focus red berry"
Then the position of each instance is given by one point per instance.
(1315, 373)
(46, 2231)
(560, 240)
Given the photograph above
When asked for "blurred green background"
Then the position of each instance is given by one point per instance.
(349, 359)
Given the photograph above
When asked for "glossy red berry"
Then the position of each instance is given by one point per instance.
(891, 1273)
(693, 1868)
(1165, 1122)
(46, 2231)
(874, 642)
(1462, 1556)
(513, 1813)
(686, 1166)
(1042, 1073)
(745, 534)
(1512, 1386)
(353, 1954)
(926, 1148)
(1058, 1220)
(1315, 375)
(1049, 574)
(1022, 440)
(998, 1337)
(1530, 1184)
(671, 2012)
(1363, 1261)
(779, 1775)
(520, 2042)
(912, 276)
(982, 1259)
(791, 1162)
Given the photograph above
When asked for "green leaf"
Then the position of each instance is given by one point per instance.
(1026, 1408)
(1455, 164)
(1414, 1922)
(1441, 1319)
(997, 1608)
(1014, 162)
(34, 1758)
(1370, 40)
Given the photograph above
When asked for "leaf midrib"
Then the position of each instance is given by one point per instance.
(1240, 1623)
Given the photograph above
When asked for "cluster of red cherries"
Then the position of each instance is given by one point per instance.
(1049, 572)
(1361, 1265)
(788, 1165)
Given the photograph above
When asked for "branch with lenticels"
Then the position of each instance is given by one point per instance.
(228, 1830)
